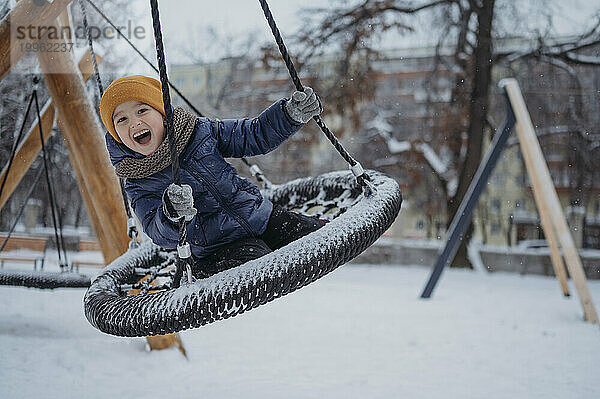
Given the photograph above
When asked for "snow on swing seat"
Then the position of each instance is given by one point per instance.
(356, 222)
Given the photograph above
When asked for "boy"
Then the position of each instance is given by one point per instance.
(228, 220)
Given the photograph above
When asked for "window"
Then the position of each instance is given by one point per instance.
(496, 205)
(495, 228)
(497, 179)
(420, 225)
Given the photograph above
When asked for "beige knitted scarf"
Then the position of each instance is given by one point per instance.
(138, 168)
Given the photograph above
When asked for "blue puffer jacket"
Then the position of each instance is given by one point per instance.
(229, 206)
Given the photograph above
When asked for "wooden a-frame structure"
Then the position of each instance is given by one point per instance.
(551, 214)
(84, 138)
(82, 133)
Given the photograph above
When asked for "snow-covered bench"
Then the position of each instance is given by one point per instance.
(24, 249)
(88, 245)
(87, 262)
(89, 255)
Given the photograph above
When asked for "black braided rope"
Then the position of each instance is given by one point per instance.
(124, 37)
(44, 280)
(32, 187)
(164, 82)
(254, 283)
(92, 54)
(10, 162)
(296, 79)
(261, 178)
(51, 196)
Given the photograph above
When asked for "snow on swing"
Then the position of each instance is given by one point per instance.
(256, 282)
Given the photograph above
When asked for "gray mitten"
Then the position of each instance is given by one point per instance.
(178, 201)
(303, 105)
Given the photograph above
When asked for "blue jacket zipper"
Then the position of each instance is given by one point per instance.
(241, 221)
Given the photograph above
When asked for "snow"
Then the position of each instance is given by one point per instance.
(589, 59)
(396, 147)
(384, 129)
(474, 254)
(359, 332)
(436, 163)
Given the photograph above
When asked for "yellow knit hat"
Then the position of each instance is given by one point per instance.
(129, 88)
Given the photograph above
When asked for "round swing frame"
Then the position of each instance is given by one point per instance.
(359, 221)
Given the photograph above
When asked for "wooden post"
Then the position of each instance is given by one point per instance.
(546, 220)
(550, 233)
(159, 342)
(30, 145)
(95, 221)
(88, 149)
(65, 17)
(86, 67)
(546, 196)
(24, 13)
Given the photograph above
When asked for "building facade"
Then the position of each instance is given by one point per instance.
(413, 104)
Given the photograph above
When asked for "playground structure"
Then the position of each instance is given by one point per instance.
(72, 109)
(551, 214)
(101, 190)
(333, 194)
(360, 205)
(98, 185)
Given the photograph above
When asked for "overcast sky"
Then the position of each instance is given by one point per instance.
(185, 23)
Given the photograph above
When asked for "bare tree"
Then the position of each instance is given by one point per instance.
(467, 27)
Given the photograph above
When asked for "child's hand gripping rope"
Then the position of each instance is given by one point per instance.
(178, 201)
(303, 105)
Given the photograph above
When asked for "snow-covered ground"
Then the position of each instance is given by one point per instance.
(360, 332)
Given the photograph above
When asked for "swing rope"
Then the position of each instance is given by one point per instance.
(10, 162)
(56, 219)
(123, 36)
(183, 247)
(53, 168)
(52, 198)
(357, 170)
(92, 54)
(258, 174)
(32, 187)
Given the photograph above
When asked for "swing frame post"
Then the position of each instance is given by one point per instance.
(87, 150)
(464, 214)
(86, 67)
(25, 11)
(546, 197)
